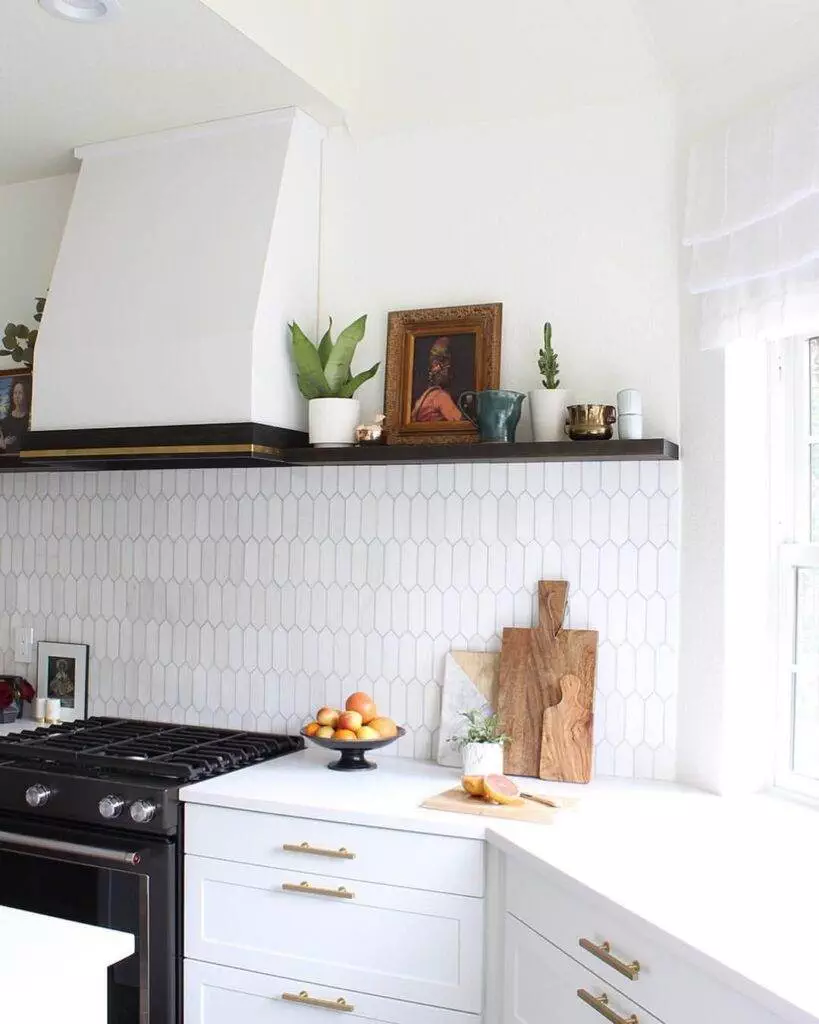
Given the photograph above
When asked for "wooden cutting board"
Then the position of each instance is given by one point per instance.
(546, 693)
(462, 803)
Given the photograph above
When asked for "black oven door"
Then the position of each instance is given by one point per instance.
(109, 879)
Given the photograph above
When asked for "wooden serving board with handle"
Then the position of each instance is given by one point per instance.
(546, 693)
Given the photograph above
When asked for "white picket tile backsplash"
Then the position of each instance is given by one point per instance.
(246, 598)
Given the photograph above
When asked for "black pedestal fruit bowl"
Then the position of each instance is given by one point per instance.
(352, 751)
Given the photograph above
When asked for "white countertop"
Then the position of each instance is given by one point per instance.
(735, 880)
(55, 970)
(31, 939)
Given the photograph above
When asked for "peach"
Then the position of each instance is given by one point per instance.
(349, 720)
(311, 728)
(366, 732)
(328, 716)
(325, 732)
(344, 734)
(385, 727)
(363, 704)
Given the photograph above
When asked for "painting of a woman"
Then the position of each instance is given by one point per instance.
(15, 409)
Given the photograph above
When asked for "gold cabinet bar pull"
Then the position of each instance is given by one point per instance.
(318, 851)
(340, 1005)
(601, 1004)
(603, 952)
(314, 890)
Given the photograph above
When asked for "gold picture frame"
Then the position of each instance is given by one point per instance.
(433, 356)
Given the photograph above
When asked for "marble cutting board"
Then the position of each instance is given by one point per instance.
(470, 682)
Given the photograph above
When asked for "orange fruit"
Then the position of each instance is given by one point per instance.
(311, 728)
(500, 790)
(344, 734)
(385, 727)
(363, 704)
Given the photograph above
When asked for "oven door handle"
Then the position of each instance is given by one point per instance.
(75, 849)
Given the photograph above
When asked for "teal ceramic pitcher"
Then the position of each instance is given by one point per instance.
(495, 413)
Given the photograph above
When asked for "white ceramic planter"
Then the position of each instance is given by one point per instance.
(483, 758)
(549, 413)
(332, 421)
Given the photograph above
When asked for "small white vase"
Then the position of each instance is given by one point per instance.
(549, 413)
(482, 758)
(332, 421)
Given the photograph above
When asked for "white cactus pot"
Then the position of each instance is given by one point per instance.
(549, 413)
(482, 758)
(332, 421)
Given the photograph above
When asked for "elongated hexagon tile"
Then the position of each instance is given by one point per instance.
(247, 597)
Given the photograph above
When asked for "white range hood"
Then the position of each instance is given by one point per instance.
(184, 257)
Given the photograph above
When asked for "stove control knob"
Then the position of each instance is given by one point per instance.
(111, 806)
(142, 811)
(37, 795)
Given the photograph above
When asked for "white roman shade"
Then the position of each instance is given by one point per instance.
(752, 222)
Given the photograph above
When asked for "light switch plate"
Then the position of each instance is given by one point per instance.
(24, 644)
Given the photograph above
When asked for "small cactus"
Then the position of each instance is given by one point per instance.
(547, 361)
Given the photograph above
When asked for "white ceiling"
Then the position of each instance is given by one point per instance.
(402, 63)
(162, 63)
(388, 64)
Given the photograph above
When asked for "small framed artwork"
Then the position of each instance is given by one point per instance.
(62, 672)
(433, 357)
(15, 409)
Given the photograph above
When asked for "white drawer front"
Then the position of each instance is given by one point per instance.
(223, 995)
(413, 859)
(544, 986)
(672, 988)
(400, 943)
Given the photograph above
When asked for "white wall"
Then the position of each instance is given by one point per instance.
(32, 218)
(570, 218)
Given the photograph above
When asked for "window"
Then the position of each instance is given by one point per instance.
(795, 478)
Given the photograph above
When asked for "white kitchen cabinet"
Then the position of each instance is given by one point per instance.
(542, 985)
(666, 982)
(224, 995)
(390, 941)
(409, 859)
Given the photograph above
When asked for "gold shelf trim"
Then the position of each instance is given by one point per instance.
(153, 449)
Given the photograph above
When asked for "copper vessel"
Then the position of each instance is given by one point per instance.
(590, 422)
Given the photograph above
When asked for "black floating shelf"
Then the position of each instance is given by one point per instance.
(649, 449)
(253, 444)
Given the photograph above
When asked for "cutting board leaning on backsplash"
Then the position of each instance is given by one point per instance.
(546, 693)
(470, 682)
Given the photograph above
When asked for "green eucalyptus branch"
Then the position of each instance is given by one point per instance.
(481, 727)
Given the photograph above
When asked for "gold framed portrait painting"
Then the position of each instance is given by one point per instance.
(433, 357)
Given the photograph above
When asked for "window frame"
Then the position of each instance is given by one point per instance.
(792, 546)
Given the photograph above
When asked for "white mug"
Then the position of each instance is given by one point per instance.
(52, 710)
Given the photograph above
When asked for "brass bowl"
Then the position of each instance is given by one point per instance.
(590, 422)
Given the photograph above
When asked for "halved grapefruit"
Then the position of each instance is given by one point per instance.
(473, 784)
(497, 789)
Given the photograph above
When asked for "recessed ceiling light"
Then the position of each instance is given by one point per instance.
(83, 11)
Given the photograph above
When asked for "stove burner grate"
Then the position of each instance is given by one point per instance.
(160, 750)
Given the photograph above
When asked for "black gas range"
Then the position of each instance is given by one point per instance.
(91, 828)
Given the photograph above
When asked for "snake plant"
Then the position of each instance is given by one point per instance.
(323, 370)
